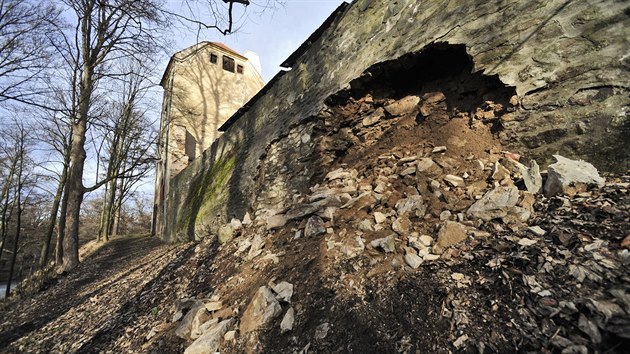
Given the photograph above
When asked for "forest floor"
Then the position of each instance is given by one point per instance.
(72, 311)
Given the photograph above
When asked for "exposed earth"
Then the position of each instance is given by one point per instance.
(419, 234)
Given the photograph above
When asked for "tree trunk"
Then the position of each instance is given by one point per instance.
(61, 229)
(75, 184)
(18, 227)
(43, 259)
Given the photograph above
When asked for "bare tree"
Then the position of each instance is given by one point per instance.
(130, 141)
(106, 30)
(18, 136)
(25, 48)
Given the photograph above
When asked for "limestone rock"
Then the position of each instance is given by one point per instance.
(413, 260)
(341, 174)
(229, 336)
(366, 225)
(226, 233)
(387, 244)
(413, 205)
(537, 230)
(287, 320)
(284, 291)
(426, 240)
(203, 328)
(501, 174)
(236, 224)
(571, 176)
(256, 246)
(401, 225)
(353, 247)
(247, 220)
(532, 178)
(314, 226)
(262, 309)
(210, 341)
(453, 181)
(494, 204)
(374, 117)
(195, 317)
(379, 217)
(403, 106)
(427, 166)
(214, 306)
(439, 149)
(276, 221)
(408, 171)
(364, 201)
(451, 233)
(302, 210)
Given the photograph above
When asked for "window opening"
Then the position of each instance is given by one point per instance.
(239, 69)
(228, 64)
(213, 58)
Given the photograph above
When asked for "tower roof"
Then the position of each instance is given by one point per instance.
(193, 49)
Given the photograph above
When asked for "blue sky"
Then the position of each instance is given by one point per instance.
(273, 34)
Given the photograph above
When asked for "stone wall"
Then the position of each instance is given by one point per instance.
(567, 62)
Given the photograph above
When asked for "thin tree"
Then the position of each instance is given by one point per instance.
(19, 137)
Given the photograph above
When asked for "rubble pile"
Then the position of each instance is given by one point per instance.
(429, 245)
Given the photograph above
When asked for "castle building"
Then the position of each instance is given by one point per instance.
(203, 85)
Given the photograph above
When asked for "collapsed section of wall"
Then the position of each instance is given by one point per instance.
(562, 67)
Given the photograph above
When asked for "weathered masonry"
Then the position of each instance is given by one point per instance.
(566, 61)
(203, 86)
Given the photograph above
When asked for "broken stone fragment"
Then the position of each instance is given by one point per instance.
(453, 181)
(537, 230)
(570, 177)
(413, 260)
(501, 174)
(226, 233)
(401, 225)
(532, 178)
(427, 166)
(314, 226)
(403, 106)
(214, 306)
(229, 336)
(363, 201)
(236, 224)
(494, 204)
(366, 225)
(302, 210)
(287, 320)
(438, 149)
(276, 221)
(284, 291)
(195, 317)
(379, 217)
(262, 309)
(426, 240)
(247, 220)
(451, 233)
(408, 171)
(341, 174)
(387, 244)
(374, 117)
(210, 341)
(413, 205)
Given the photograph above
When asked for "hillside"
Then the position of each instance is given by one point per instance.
(424, 236)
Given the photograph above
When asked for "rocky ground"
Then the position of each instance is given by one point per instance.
(420, 235)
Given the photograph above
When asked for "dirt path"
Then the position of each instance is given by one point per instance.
(80, 305)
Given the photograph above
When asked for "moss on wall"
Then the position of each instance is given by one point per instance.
(208, 195)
